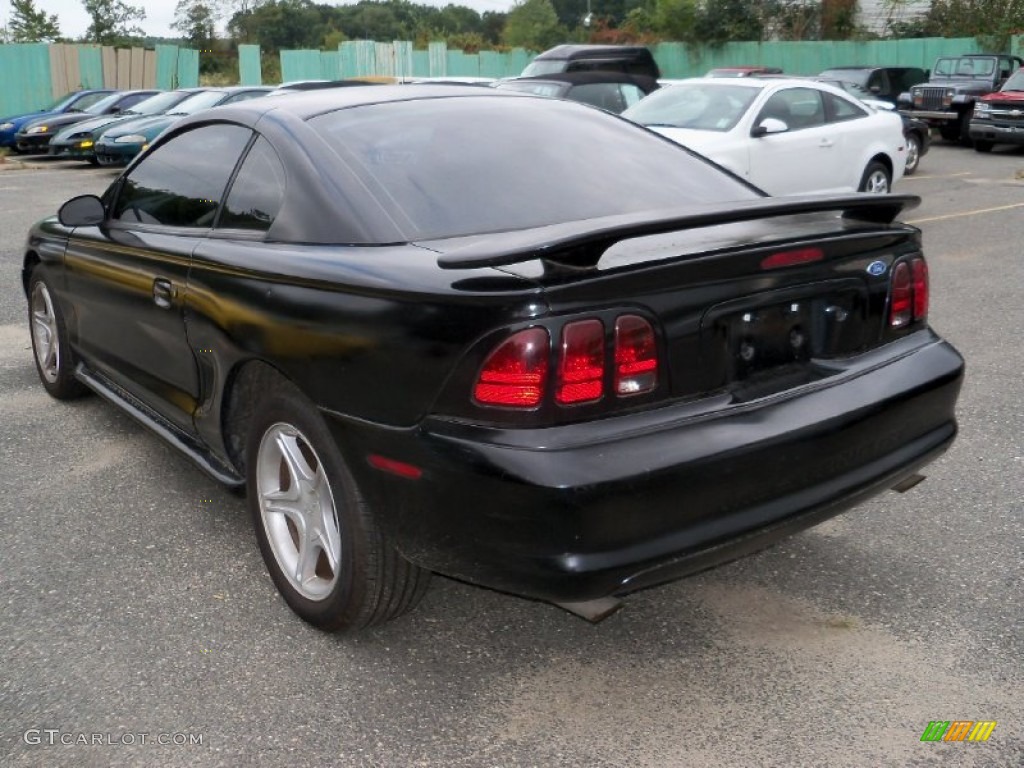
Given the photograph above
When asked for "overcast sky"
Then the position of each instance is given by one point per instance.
(160, 14)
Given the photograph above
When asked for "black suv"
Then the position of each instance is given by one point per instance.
(947, 100)
(631, 59)
(885, 83)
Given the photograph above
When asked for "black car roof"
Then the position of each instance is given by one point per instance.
(307, 104)
(592, 76)
(570, 51)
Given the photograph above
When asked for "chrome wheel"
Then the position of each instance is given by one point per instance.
(876, 180)
(913, 154)
(298, 512)
(45, 339)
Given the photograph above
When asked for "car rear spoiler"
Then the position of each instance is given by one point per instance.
(597, 235)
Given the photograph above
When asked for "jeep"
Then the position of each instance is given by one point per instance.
(946, 101)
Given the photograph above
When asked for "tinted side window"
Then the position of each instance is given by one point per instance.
(257, 192)
(842, 109)
(181, 183)
(603, 95)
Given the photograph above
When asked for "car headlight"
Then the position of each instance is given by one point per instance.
(6, 126)
(131, 138)
(38, 129)
(982, 109)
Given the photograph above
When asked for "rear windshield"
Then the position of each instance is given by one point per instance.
(460, 166)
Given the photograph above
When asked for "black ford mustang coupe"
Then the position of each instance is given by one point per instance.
(516, 341)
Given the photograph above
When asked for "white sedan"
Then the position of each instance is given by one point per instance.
(783, 136)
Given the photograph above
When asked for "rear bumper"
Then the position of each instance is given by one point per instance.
(576, 513)
(1001, 134)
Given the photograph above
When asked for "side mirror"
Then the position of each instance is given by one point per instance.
(767, 126)
(82, 211)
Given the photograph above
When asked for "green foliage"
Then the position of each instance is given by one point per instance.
(993, 22)
(676, 19)
(720, 21)
(277, 24)
(533, 24)
(112, 21)
(196, 20)
(30, 25)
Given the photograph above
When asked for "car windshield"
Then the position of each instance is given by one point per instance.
(699, 106)
(199, 102)
(101, 106)
(60, 103)
(157, 105)
(540, 88)
(1016, 81)
(544, 67)
(463, 166)
(965, 67)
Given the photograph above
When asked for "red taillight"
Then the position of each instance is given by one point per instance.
(901, 303)
(919, 268)
(581, 364)
(909, 293)
(515, 374)
(636, 356)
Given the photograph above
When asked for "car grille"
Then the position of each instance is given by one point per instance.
(1008, 114)
(931, 98)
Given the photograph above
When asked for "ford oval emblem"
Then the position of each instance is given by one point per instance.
(877, 268)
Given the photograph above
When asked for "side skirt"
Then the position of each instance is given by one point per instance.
(188, 445)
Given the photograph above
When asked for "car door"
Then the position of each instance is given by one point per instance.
(127, 277)
(802, 159)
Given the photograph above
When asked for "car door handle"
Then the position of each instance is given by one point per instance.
(826, 143)
(163, 293)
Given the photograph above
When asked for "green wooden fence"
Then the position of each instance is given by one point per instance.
(34, 75)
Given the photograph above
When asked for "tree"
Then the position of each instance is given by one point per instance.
(112, 21)
(196, 20)
(533, 24)
(30, 25)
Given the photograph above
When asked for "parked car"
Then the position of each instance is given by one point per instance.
(749, 71)
(611, 91)
(884, 83)
(999, 117)
(78, 141)
(947, 100)
(916, 133)
(785, 136)
(632, 59)
(35, 136)
(73, 102)
(119, 144)
(567, 395)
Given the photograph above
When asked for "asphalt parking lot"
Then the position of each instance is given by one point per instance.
(140, 627)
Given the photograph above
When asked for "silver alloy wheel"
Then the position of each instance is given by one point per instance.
(297, 510)
(45, 341)
(877, 183)
(913, 155)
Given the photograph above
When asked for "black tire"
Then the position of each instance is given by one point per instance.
(914, 145)
(876, 179)
(964, 126)
(341, 582)
(983, 146)
(950, 131)
(54, 360)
